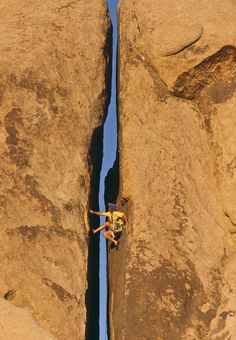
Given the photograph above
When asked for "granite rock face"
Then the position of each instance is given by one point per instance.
(18, 323)
(53, 95)
(173, 276)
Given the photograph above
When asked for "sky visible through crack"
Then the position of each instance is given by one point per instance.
(109, 155)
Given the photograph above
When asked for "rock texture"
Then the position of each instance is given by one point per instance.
(18, 323)
(53, 95)
(173, 276)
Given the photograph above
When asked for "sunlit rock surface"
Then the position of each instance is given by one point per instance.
(53, 95)
(174, 275)
(18, 323)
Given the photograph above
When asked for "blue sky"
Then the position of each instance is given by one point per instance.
(109, 152)
(110, 125)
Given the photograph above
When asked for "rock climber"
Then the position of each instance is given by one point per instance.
(115, 224)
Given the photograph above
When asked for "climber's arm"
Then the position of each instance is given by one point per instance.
(99, 213)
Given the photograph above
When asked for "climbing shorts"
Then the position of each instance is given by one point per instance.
(111, 233)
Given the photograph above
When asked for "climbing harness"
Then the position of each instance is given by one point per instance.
(117, 227)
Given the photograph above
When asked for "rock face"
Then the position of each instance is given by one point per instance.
(18, 323)
(174, 274)
(53, 94)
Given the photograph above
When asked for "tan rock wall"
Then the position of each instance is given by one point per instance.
(53, 65)
(173, 276)
(18, 323)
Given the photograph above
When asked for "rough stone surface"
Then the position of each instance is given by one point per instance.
(18, 323)
(173, 276)
(53, 95)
